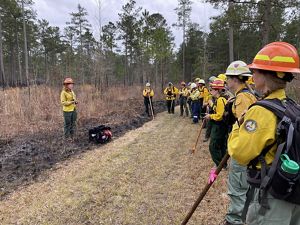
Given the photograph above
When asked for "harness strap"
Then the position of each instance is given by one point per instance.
(249, 198)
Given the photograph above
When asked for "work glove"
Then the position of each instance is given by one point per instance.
(212, 175)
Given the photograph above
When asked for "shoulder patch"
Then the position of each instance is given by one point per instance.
(250, 126)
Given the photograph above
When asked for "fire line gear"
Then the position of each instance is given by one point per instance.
(211, 79)
(219, 133)
(197, 80)
(183, 83)
(148, 94)
(238, 68)
(69, 101)
(237, 177)
(272, 136)
(218, 84)
(278, 57)
(183, 95)
(222, 76)
(100, 135)
(171, 93)
(195, 96)
(68, 80)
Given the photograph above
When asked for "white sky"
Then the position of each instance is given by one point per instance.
(57, 12)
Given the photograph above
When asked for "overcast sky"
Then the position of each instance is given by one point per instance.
(57, 12)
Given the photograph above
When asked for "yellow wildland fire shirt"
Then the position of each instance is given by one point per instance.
(171, 93)
(256, 132)
(184, 92)
(66, 98)
(195, 94)
(148, 92)
(204, 93)
(219, 109)
(242, 102)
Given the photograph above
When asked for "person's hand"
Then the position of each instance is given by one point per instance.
(75, 102)
(207, 117)
(212, 176)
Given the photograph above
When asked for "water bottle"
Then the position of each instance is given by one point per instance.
(284, 178)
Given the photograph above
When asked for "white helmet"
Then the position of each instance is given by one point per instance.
(211, 79)
(148, 84)
(193, 85)
(201, 81)
(237, 68)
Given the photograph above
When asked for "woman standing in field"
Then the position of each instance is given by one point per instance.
(69, 102)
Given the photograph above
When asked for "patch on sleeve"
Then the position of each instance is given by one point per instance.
(250, 126)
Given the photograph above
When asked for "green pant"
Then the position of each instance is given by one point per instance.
(280, 212)
(237, 190)
(218, 141)
(70, 123)
(208, 129)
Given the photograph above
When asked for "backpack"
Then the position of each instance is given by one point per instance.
(271, 178)
(228, 116)
(100, 135)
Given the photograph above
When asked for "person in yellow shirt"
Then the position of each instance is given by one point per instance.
(273, 66)
(148, 94)
(183, 95)
(195, 95)
(69, 103)
(204, 95)
(218, 136)
(237, 74)
(171, 93)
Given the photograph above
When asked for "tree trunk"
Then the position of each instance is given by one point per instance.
(230, 34)
(183, 51)
(1, 58)
(25, 51)
(266, 23)
(19, 58)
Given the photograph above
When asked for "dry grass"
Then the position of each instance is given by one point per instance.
(146, 177)
(44, 113)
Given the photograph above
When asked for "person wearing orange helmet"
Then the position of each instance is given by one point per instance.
(69, 103)
(183, 95)
(255, 142)
(218, 134)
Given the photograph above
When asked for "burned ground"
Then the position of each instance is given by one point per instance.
(147, 176)
(24, 157)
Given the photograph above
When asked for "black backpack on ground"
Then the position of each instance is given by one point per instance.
(100, 135)
(271, 178)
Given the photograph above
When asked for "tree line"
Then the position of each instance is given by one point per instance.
(140, 45)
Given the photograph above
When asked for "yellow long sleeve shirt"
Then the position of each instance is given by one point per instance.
(195, 94)
(204, 93)
(148, 92)
(171, 93)
(219, 109)
(184, 92)
(66, 99)
(242, 102)
(256, 132)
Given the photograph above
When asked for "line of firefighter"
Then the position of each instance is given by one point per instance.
(234, 89)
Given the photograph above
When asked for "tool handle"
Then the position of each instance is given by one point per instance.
(204, 191)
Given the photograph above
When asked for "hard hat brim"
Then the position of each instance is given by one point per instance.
(243, 74)
(274, 68)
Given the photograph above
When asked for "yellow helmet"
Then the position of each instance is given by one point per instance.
(222, 76)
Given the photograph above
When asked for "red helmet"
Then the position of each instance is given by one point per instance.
(68, 80)
(218, 84)
(278, 57)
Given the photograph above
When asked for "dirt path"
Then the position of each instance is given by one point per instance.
(147, 177)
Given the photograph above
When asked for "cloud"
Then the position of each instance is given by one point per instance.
(57, 12)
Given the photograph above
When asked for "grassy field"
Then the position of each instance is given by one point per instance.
(148, 176)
